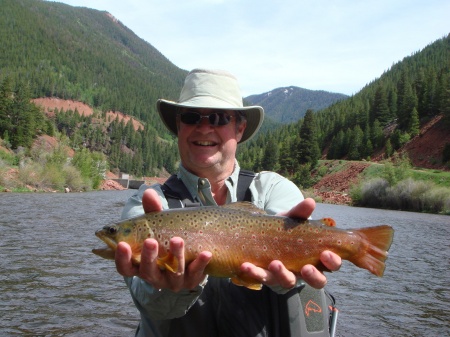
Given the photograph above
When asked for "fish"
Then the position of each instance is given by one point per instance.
(240, 232)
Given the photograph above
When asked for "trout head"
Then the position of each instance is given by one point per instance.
(129, 231)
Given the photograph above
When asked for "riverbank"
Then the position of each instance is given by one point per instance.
(338, 182)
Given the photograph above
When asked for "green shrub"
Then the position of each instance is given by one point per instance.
(370, 193)
(436, 200)
(74, 181)
(406, 195)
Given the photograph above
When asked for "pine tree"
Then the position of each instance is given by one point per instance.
(308, 149)
(271, 156)
(380, 109)
(414, 124)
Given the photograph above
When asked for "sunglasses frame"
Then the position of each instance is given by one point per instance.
(213, 121)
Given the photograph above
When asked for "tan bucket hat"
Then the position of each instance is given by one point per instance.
(211, 89)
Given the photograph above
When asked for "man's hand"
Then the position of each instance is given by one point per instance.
(148, 270)
(277, 274)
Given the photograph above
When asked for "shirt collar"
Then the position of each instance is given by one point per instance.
(191, 180)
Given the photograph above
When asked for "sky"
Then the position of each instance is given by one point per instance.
(337, 46)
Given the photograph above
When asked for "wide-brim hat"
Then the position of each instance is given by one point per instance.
(211, 89)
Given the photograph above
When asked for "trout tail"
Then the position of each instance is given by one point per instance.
(376, 243)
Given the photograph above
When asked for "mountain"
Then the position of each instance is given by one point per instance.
(52, 50)
(289, 104)
(84, 55)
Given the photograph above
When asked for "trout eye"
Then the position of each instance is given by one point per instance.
(112, 230)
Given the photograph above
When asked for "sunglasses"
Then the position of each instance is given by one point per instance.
(215, 118)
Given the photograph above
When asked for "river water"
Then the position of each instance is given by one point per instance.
(52, 285)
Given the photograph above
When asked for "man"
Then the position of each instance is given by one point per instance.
(210, 121)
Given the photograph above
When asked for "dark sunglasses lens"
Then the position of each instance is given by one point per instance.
(215, 119)
(190, 118)
(219, 118)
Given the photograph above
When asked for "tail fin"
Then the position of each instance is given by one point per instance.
(377, 240)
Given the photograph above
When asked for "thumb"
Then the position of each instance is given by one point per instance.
(151, 201)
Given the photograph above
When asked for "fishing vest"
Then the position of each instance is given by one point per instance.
(224, 309)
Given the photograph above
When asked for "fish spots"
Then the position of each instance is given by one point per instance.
(236, 235)
(300, 241)
(339, 242)
(264, 248)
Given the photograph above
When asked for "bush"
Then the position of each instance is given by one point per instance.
(74, 181)
(407, 195)
(371, 193)
(436, 200)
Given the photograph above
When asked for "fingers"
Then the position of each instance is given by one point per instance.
(331, 260)
(275, 274)
(151, 201)
(195, 272)
(151, 272)
(302, 210)
(148, 268)
(315, 278)
(123, 260)
(175, 281)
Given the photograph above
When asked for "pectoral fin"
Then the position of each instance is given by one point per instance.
(250, 284)
(168, 262)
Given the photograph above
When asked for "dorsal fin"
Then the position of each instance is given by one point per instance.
(244, 206)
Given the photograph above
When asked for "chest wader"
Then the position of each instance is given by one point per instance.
(226, 310)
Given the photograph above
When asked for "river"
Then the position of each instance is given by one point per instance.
(52, 285)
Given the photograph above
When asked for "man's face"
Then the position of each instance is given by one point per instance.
(205, 148)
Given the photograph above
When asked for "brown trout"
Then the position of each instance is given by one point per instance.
(240, 232)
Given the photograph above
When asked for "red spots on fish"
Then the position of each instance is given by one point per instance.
(254, 236)
(264, 248)
(300, 241)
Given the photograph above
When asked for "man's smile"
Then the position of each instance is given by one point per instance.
(204, 143)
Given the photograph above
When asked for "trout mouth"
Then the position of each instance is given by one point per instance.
(109, 251)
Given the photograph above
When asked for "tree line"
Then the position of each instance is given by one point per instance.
(385, 114)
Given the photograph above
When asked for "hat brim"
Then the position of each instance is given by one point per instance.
(168, 112)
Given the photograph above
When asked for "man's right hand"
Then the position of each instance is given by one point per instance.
(148, 270)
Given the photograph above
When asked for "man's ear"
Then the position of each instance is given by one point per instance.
(240, 130)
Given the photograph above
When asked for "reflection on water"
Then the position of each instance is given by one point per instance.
(51, 284)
